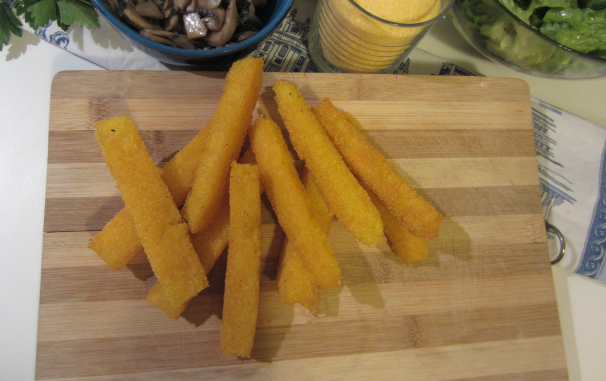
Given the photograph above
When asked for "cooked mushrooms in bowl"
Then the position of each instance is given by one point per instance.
(190, 31)
(192, 24)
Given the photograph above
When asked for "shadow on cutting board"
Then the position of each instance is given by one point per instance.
(209, 302)
(140, 267)
(451, 233)
(274, 319)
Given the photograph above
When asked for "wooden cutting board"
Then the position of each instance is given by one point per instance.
(481, 307)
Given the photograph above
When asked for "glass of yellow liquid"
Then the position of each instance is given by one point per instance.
(370, 36)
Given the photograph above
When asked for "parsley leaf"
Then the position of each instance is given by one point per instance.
(244, 12)
(78, 12)
(38, 13)
(43, 12)
(9, 23)
(21, 8)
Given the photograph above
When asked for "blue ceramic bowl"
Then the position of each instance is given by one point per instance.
(272, 14)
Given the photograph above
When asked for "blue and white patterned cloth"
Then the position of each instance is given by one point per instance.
(571, 158)
(571, 152)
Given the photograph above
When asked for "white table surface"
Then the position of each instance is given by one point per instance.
(26, 71)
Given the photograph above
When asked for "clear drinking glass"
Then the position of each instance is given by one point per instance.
(346, 38)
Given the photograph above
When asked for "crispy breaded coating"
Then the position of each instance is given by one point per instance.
(378, 174)
(288, 199)
(227, 131)
(295, 283)
(159, 225)
(178, 174)
(118, 242)
(347, 200)
(209, 245)
(158, 297)
(242, 278)
(404, 244)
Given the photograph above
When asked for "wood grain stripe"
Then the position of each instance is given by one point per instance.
(91, 214)
(360, 269)
(94, 180)
(431, 364)
(207, 85)
(371, 370)
(68, 249)
(397, 332)
(64, 251)
(81, 146)
(551, 375)
(369, 297)
(179, 114)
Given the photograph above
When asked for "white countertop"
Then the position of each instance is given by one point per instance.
(27, 69)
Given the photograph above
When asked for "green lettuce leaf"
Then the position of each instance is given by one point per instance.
(583, 30)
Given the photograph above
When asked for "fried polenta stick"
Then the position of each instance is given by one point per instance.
(404, 244)
(117, 243)
(157, 297)
(209, 245)
(179, 172)
(378, 174)
(242, 278)
(227, 132)
(295, 283)
(287, 197)
(159, 225)
(347, 200)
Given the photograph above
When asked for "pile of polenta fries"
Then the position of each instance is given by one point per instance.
(218, 193)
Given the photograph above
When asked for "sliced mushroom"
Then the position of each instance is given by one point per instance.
(136, 20)
(150, 10)
(218, 14)
(181, 4)
(167, 5)
(243, 36)
(194, 28)
(160, 33)
(203, 6)
(221, 37)
(214, 19)
(183, 42)
(161, 40)
(192, 7)
(172, 22)
(210, 23)
(192, 24)
(213, 3)
(162, 4)
(169, 12)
